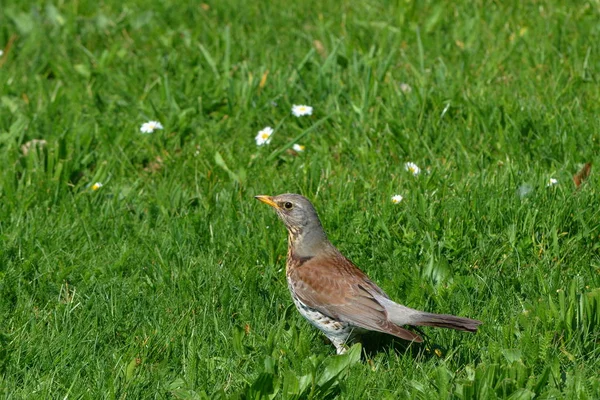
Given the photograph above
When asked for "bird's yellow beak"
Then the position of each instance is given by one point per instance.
(267, 200)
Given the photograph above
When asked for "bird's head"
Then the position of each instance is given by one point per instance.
(301, 220)
(296, 212)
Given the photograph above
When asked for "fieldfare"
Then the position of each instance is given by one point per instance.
(332, 293)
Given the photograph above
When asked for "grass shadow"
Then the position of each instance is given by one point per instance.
(375, 342)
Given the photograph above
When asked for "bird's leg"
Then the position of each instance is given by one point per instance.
(339, 341)
(340, 346)
(343, 341)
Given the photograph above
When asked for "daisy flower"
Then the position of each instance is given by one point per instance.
(97, 186)
(298, 147)
(524, 190)
(405, 88)
(150, 126)
(300, 110)
(264, 136)
(36, 144)
(397, 198)
(552, 182)
(412, 168)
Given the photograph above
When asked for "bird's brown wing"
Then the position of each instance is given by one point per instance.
(337, 288)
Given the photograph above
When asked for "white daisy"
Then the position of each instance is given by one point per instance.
(524, 190)
(552, 182)
(405, 88)
(412, 168)
(1, 53)
(397, 198)
(97, 186)
(264, 136)
(300, 110)
(298, 147)
(150, 126)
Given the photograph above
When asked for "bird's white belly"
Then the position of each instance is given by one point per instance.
(338, 332)
(319, 320)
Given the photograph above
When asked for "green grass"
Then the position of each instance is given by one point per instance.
(168, 281)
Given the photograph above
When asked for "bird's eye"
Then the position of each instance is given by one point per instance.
(287, 205)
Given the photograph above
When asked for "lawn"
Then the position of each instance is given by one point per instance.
(139, 265)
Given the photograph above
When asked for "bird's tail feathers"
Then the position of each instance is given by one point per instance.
(422, 318)
(401, 315)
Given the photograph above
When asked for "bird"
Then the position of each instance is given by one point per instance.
(333, 294)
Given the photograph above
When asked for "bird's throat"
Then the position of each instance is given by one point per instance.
(306, 244)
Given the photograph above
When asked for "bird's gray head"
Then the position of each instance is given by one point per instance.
(300, 219)
(296, 212)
